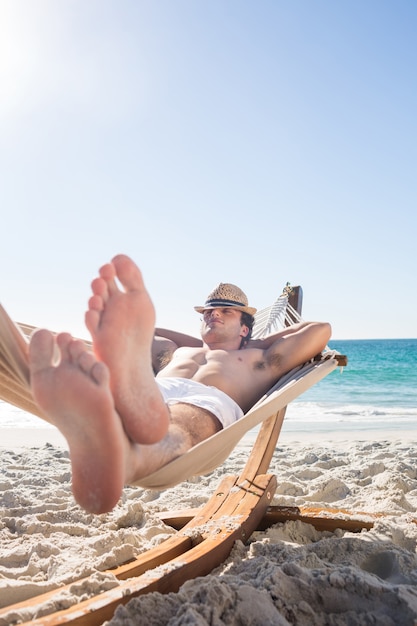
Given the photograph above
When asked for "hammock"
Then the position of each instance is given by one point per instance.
(283, 312)
(212, 452)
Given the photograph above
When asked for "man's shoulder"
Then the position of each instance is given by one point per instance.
(249, 353)
(189, 349)
(187, 352)
(253, 348)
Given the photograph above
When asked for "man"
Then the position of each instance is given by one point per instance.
(122, 423)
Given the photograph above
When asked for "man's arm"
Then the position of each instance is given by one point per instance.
(164, 344)
(267, 342)
(180, 339)
(296, 345)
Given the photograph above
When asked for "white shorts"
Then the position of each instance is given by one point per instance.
(175, 390)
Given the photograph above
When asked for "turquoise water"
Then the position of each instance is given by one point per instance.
(376, 390)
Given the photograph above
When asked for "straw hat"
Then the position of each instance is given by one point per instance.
(226, 295)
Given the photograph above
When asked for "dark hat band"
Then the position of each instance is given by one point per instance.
(224, 303)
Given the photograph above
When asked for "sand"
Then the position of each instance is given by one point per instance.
(288, 574)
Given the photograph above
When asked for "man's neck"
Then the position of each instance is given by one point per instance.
(228, 346)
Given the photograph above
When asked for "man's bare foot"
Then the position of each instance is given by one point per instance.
(76, 397)
(121, 323)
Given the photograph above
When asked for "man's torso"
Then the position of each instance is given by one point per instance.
(244, 374)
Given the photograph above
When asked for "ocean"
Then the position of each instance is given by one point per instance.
(377, 390)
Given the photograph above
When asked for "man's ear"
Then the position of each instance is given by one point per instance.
(244, 331)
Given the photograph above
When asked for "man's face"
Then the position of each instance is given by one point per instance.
(223, 323)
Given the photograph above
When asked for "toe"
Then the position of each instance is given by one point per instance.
(96, 303)
(128, 273)
(63, 341)
(92, 320)
(108, 276)
(100, 289)
(41, 350)
(86, 362)
(100, 373)
(76, 350)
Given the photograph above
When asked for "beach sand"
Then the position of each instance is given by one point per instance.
(288, 574)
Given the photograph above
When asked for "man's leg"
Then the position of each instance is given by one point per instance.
(189, 426)
(121, 323)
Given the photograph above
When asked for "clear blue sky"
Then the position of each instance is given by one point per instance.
(250, 142)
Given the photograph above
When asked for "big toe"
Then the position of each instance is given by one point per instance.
(41, 350)
(128, 272)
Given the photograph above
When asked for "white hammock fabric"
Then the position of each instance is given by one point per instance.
(275, 317)
(15, 389)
